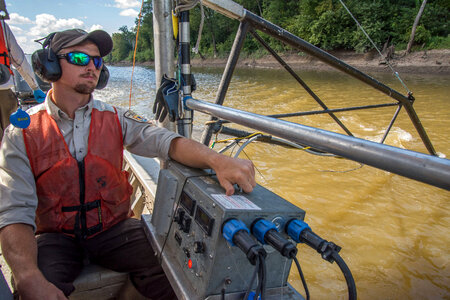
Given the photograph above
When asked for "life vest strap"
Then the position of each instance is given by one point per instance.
(83, 232)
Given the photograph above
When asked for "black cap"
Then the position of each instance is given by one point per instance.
(72, 37)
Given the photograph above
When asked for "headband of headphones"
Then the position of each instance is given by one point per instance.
(46, 64)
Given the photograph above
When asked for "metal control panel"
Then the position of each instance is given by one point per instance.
(185, 230)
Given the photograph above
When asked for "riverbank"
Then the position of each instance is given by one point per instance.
(419, 62)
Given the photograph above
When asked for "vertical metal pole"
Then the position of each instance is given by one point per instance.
(163, 45)
(185, 123)
(227, 74)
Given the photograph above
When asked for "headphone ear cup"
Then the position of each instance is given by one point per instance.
(46, 65)
(103, 78)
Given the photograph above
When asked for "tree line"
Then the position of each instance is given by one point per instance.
(324, 23)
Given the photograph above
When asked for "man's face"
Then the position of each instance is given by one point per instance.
(82, 79)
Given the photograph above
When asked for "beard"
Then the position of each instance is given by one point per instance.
(83, 88)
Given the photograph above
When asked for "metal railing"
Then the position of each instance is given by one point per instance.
(422, 167)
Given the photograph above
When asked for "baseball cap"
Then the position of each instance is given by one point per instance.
(72, 37)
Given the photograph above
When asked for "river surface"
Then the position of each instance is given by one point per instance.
(394, 232)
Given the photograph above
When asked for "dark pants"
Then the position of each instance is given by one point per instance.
(8, 105)
(122, 248)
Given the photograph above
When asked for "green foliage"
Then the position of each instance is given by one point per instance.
(422, 35)
(324, 23)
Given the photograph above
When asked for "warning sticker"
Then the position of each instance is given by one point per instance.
(235, 202)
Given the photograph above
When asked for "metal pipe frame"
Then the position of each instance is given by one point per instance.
(235, 11)
(226, 76)
(299, 80)
(164, 47)
(325, 111)
(414, 165)
(185, 123)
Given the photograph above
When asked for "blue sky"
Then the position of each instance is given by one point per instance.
(33, 19)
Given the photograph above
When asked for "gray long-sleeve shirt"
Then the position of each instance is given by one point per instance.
(18, 200)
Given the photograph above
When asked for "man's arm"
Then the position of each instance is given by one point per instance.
(229, 170)
(20, 250)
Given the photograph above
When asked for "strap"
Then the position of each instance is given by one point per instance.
(86, 206)
(84, 232)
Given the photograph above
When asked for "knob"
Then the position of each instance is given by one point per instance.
(179, 216)
(199, 247)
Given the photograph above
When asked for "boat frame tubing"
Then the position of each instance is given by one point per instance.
(299, 80)
(227, 75)
(236, 11)
(414, 165)
(318, 112)
(293, 40)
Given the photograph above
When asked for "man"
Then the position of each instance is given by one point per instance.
(67, 167)
(11, 53)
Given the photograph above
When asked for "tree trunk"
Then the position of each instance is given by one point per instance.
(416, 22)
(213, 38)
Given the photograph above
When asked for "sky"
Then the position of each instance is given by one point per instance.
(34, 19)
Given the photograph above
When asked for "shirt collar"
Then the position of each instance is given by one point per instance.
(57, 114)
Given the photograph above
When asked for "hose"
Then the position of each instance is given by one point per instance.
(302, 277)
(252, 280)
(347, 274)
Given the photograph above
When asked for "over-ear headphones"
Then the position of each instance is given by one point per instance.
(46, 64)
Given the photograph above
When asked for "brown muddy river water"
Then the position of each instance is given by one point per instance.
(394, 232)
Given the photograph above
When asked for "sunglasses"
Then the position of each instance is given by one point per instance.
(82, 59)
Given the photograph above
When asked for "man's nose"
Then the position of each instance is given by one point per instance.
(91, 65)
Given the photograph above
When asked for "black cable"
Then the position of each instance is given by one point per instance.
(249, 289)
(264, 278)
(347, 274)
(260, 278)
(223, 293)
(302, 277)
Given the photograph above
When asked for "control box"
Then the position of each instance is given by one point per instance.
(185, 230)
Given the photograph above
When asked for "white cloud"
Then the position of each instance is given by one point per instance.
(95, 27)
(42, 26)
(15, 18)
(124, 4)
(46, 23)
(129, 13)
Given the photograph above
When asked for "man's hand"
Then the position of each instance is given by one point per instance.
(36, 287)
(229, 170)
(232, 171)
(20, 250)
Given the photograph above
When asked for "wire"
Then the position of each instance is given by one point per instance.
(373, 44)
(347, 274)
(134, 54)
(249, 289)
(260, 280)
(238, 138)
(302, 277)
(244, 145)
(264, 278)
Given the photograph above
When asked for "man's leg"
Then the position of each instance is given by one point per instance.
(125, 248)
(8, 105)
(60, 259)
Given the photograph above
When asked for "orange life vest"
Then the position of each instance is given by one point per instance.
(4, 54)
(80, 199)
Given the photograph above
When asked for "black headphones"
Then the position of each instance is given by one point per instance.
(46, 64)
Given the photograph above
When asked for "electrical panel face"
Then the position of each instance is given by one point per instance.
(201, 261)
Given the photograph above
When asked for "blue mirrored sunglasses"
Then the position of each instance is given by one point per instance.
(82, 59)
